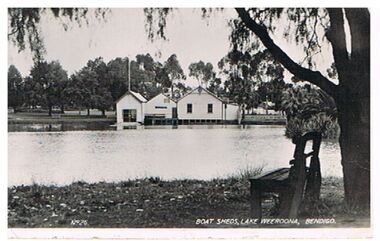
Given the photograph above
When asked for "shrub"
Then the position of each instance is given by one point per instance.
(320, 122)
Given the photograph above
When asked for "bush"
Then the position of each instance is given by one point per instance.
(320, 122)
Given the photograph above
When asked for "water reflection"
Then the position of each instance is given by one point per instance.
(200, 152)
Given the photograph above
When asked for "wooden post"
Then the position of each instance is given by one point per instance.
(285, 202)
(298, 176)
(255, 200)
(314, 177)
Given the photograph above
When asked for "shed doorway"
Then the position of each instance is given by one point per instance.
(129, 115)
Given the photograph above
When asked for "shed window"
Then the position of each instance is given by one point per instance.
(190, 108)
(161, 107)
(209, 108)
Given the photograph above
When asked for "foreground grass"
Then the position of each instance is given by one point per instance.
(152, 202)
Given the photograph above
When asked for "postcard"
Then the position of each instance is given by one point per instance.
(189, 122)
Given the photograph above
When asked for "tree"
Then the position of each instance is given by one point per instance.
(45, 85)
(93, 87)
(203, 72)
(15, 88)
(309, 109)
(352, 95)
(272, 91)
(174, 71)
(117, 74)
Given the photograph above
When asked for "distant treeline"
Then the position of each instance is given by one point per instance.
(98, 85)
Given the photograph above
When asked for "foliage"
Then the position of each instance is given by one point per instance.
(15, 88)
(117, 74)
(308, 109)
(24, 25)
(93, 86)
(320, 122)
(203, 72)
(174, 73)
(253, 77)
(45, 84)
(97, 85)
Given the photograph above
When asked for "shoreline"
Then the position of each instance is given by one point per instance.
(42, 118)
(153, 203)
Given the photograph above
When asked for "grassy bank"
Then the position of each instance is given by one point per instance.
(152, 202)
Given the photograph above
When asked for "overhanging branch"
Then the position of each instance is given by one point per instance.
(314, 77)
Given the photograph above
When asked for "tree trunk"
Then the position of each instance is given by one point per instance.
(103, 112)
(88, 112)
(50, 110)
(354, 111)
(62, 109)
(354, 140)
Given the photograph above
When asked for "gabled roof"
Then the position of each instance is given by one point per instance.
(138, 96)
(200, 87)
(164, 96)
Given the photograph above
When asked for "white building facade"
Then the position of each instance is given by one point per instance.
(130, 108)
(202, 105)
(232, 112)
(161, 106)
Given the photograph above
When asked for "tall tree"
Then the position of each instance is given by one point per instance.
(203, 72)
(46, 84)
(174, 71)
(15, 88)
(93, 87)
(248, 74)
(117, 75)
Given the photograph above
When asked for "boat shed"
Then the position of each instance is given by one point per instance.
(130, 108)
(202, 106)
(161, 106)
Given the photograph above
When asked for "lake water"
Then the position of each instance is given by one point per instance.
(198, 152)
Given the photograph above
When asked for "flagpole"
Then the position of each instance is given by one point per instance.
(129, 74)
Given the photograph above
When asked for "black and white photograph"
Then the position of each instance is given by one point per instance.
(203, 118)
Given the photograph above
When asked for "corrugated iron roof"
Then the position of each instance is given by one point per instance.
(201, 88)
(138, 96)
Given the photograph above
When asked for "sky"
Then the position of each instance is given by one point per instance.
(122, 33)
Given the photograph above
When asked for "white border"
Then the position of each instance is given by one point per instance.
(164, 233)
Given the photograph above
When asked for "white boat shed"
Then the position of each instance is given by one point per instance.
(130, 108)
(161, 106)
(201, 105)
